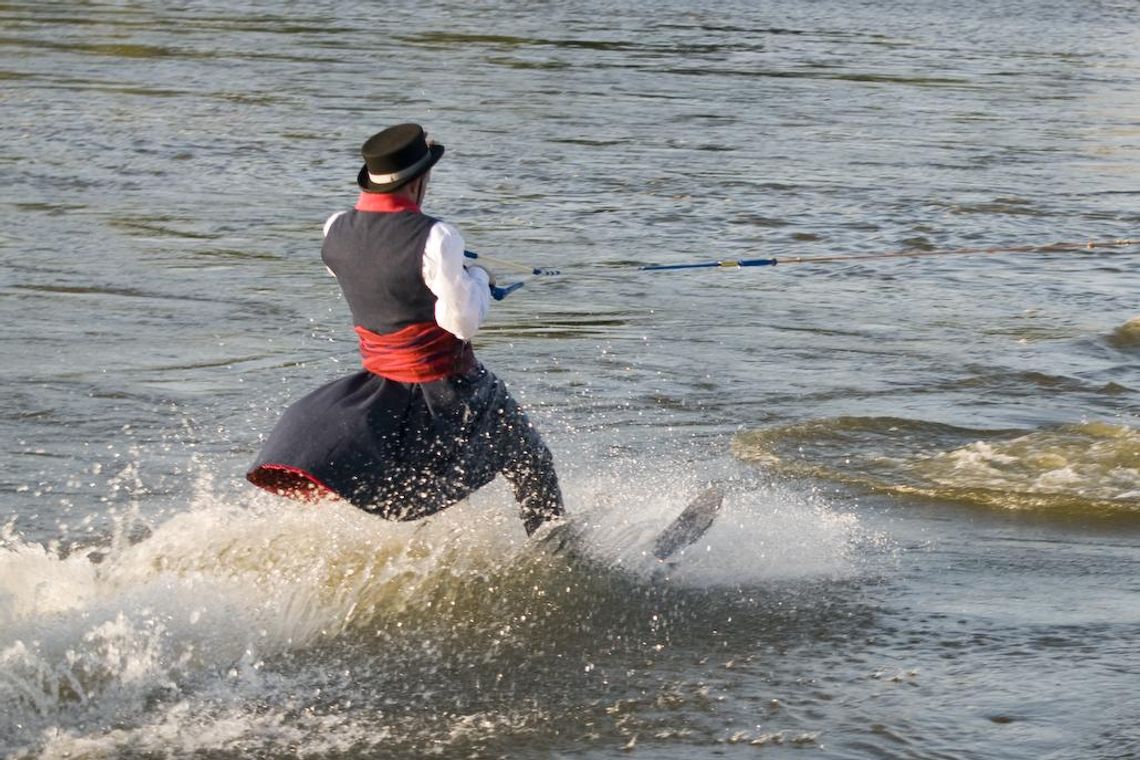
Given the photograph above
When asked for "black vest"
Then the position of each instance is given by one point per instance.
(378, 260)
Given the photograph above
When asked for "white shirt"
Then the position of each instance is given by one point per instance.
(463, 293)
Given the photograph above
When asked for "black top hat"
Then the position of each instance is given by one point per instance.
(395, 157)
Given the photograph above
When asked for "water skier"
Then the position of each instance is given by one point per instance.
(424, 424)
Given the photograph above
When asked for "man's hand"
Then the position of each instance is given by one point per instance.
(486, 271)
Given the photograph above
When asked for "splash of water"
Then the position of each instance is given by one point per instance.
(150, 636)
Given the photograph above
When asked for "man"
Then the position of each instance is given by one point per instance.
(424, 424)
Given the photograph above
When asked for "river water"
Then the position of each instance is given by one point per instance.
(930, 544)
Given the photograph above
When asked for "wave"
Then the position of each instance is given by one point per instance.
(1077, 469)
(1127, 336)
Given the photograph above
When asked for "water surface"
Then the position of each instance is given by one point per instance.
(932, 532)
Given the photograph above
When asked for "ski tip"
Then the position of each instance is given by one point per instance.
(690, 525)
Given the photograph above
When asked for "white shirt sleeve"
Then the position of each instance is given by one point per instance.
(328, 226)
(462, 293)
(330, 220)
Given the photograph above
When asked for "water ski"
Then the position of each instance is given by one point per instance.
(690, 525)
(687, 529)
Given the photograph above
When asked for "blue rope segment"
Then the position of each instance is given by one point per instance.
(726, 264)
(500, 292)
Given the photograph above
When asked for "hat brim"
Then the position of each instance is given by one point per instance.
(369, 186)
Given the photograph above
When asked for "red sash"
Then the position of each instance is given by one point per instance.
(420, 353)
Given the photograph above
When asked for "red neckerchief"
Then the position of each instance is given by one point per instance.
(386, 203)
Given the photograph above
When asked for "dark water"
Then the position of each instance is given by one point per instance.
(931, 539)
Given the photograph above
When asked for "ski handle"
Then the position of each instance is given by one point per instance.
(499, 292)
